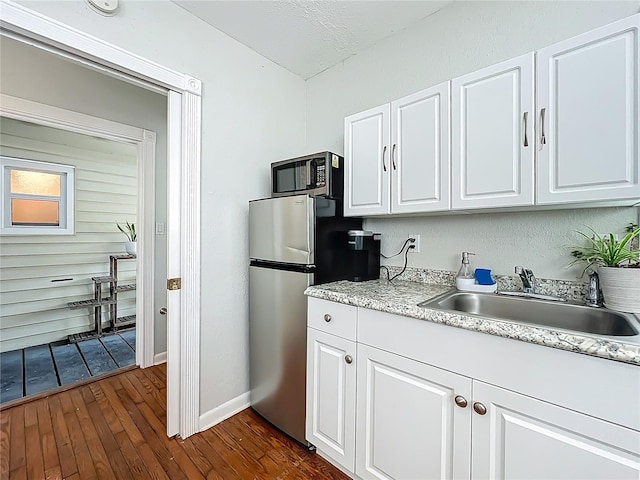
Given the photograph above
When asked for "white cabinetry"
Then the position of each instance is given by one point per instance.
(419, 389)
(420, 151)
(492, 137)
(331, 381)
(588, 120)
(521, 437)
(572, 138)
(408, 425)
(366, 145)
(397, 156)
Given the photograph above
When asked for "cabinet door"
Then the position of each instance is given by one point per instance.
(521, 437)
(492, 138)
(420, 151)
(331, 396)
(367, 162)
(408, 424)
(588, 116)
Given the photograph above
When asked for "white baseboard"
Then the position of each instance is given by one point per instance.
(159, 358)
(224, 411)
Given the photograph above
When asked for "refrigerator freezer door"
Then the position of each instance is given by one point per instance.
(282, 229)
(278, 343)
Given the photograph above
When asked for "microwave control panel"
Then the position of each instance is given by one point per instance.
(321, 173)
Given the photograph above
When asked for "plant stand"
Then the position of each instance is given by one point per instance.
(98, 301)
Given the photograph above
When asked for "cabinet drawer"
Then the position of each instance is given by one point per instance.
(331, 317)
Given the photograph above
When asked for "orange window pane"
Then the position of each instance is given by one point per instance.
(35, 212)
(35, 183)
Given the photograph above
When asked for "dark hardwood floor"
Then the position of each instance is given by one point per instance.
(115, 429)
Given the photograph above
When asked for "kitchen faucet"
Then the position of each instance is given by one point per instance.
(594, 296)
(528, 279)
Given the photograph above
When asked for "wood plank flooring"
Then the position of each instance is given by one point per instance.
(114, 428)
(42, 368)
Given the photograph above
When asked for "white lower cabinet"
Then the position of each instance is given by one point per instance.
(406, 399)
(521, 437)
(331, 396)
(408, 424)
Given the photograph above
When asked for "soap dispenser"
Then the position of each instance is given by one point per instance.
(465, 277)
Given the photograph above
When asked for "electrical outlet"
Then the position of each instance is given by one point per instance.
(606, 236)
(416, 243)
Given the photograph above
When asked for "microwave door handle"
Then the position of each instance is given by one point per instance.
(308, 168)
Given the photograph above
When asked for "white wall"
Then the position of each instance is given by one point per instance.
(34, 306)
(459, 39)
(253, 114)
(30, 73)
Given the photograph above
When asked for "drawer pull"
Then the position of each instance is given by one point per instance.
(348, 359)
(327, 317)
(479, 408)
(461, 401)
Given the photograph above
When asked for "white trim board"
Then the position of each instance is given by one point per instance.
(224, 411)
(160, 358)
(184, 145)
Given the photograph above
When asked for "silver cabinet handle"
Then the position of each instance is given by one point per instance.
(543, 137)
(163, 311)
(461, 401)
(327, 317)
(348, 359)
(384, 153)
(524, 121)
(393, 156)
(479, 408)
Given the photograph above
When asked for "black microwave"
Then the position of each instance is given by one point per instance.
(320, 174)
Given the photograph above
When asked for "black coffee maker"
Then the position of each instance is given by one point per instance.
(364, 255)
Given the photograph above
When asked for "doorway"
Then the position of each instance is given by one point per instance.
(46, 278)
(183, 189)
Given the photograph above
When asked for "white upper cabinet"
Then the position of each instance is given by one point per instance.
(397, 156)
(492, 137)
(588, 116)
(367, 163)
(420, 151)
(569, 138)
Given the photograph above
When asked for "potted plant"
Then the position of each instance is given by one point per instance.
(129, 230)
(618, 263)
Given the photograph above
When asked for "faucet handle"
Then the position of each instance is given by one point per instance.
(519, 270)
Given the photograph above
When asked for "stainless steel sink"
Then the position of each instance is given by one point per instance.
(598, 321)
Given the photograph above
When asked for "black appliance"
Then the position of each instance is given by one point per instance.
(319, 174)
(364, 261)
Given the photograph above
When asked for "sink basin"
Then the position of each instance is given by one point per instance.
(599, 321)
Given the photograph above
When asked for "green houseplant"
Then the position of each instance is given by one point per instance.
(618, 265)
(129, 231)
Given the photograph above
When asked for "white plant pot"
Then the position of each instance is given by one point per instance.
(620, 288)
(130, 248)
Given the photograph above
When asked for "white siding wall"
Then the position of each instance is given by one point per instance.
(33, 309)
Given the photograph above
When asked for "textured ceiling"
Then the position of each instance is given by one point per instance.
(309, 36)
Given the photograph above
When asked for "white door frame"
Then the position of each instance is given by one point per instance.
(183, 188)
(145, 143)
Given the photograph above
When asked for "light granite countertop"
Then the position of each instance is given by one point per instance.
(402, 298)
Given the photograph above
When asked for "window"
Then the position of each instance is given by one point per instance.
(37, 197)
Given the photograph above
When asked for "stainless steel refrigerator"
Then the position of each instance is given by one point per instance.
(294, 242)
